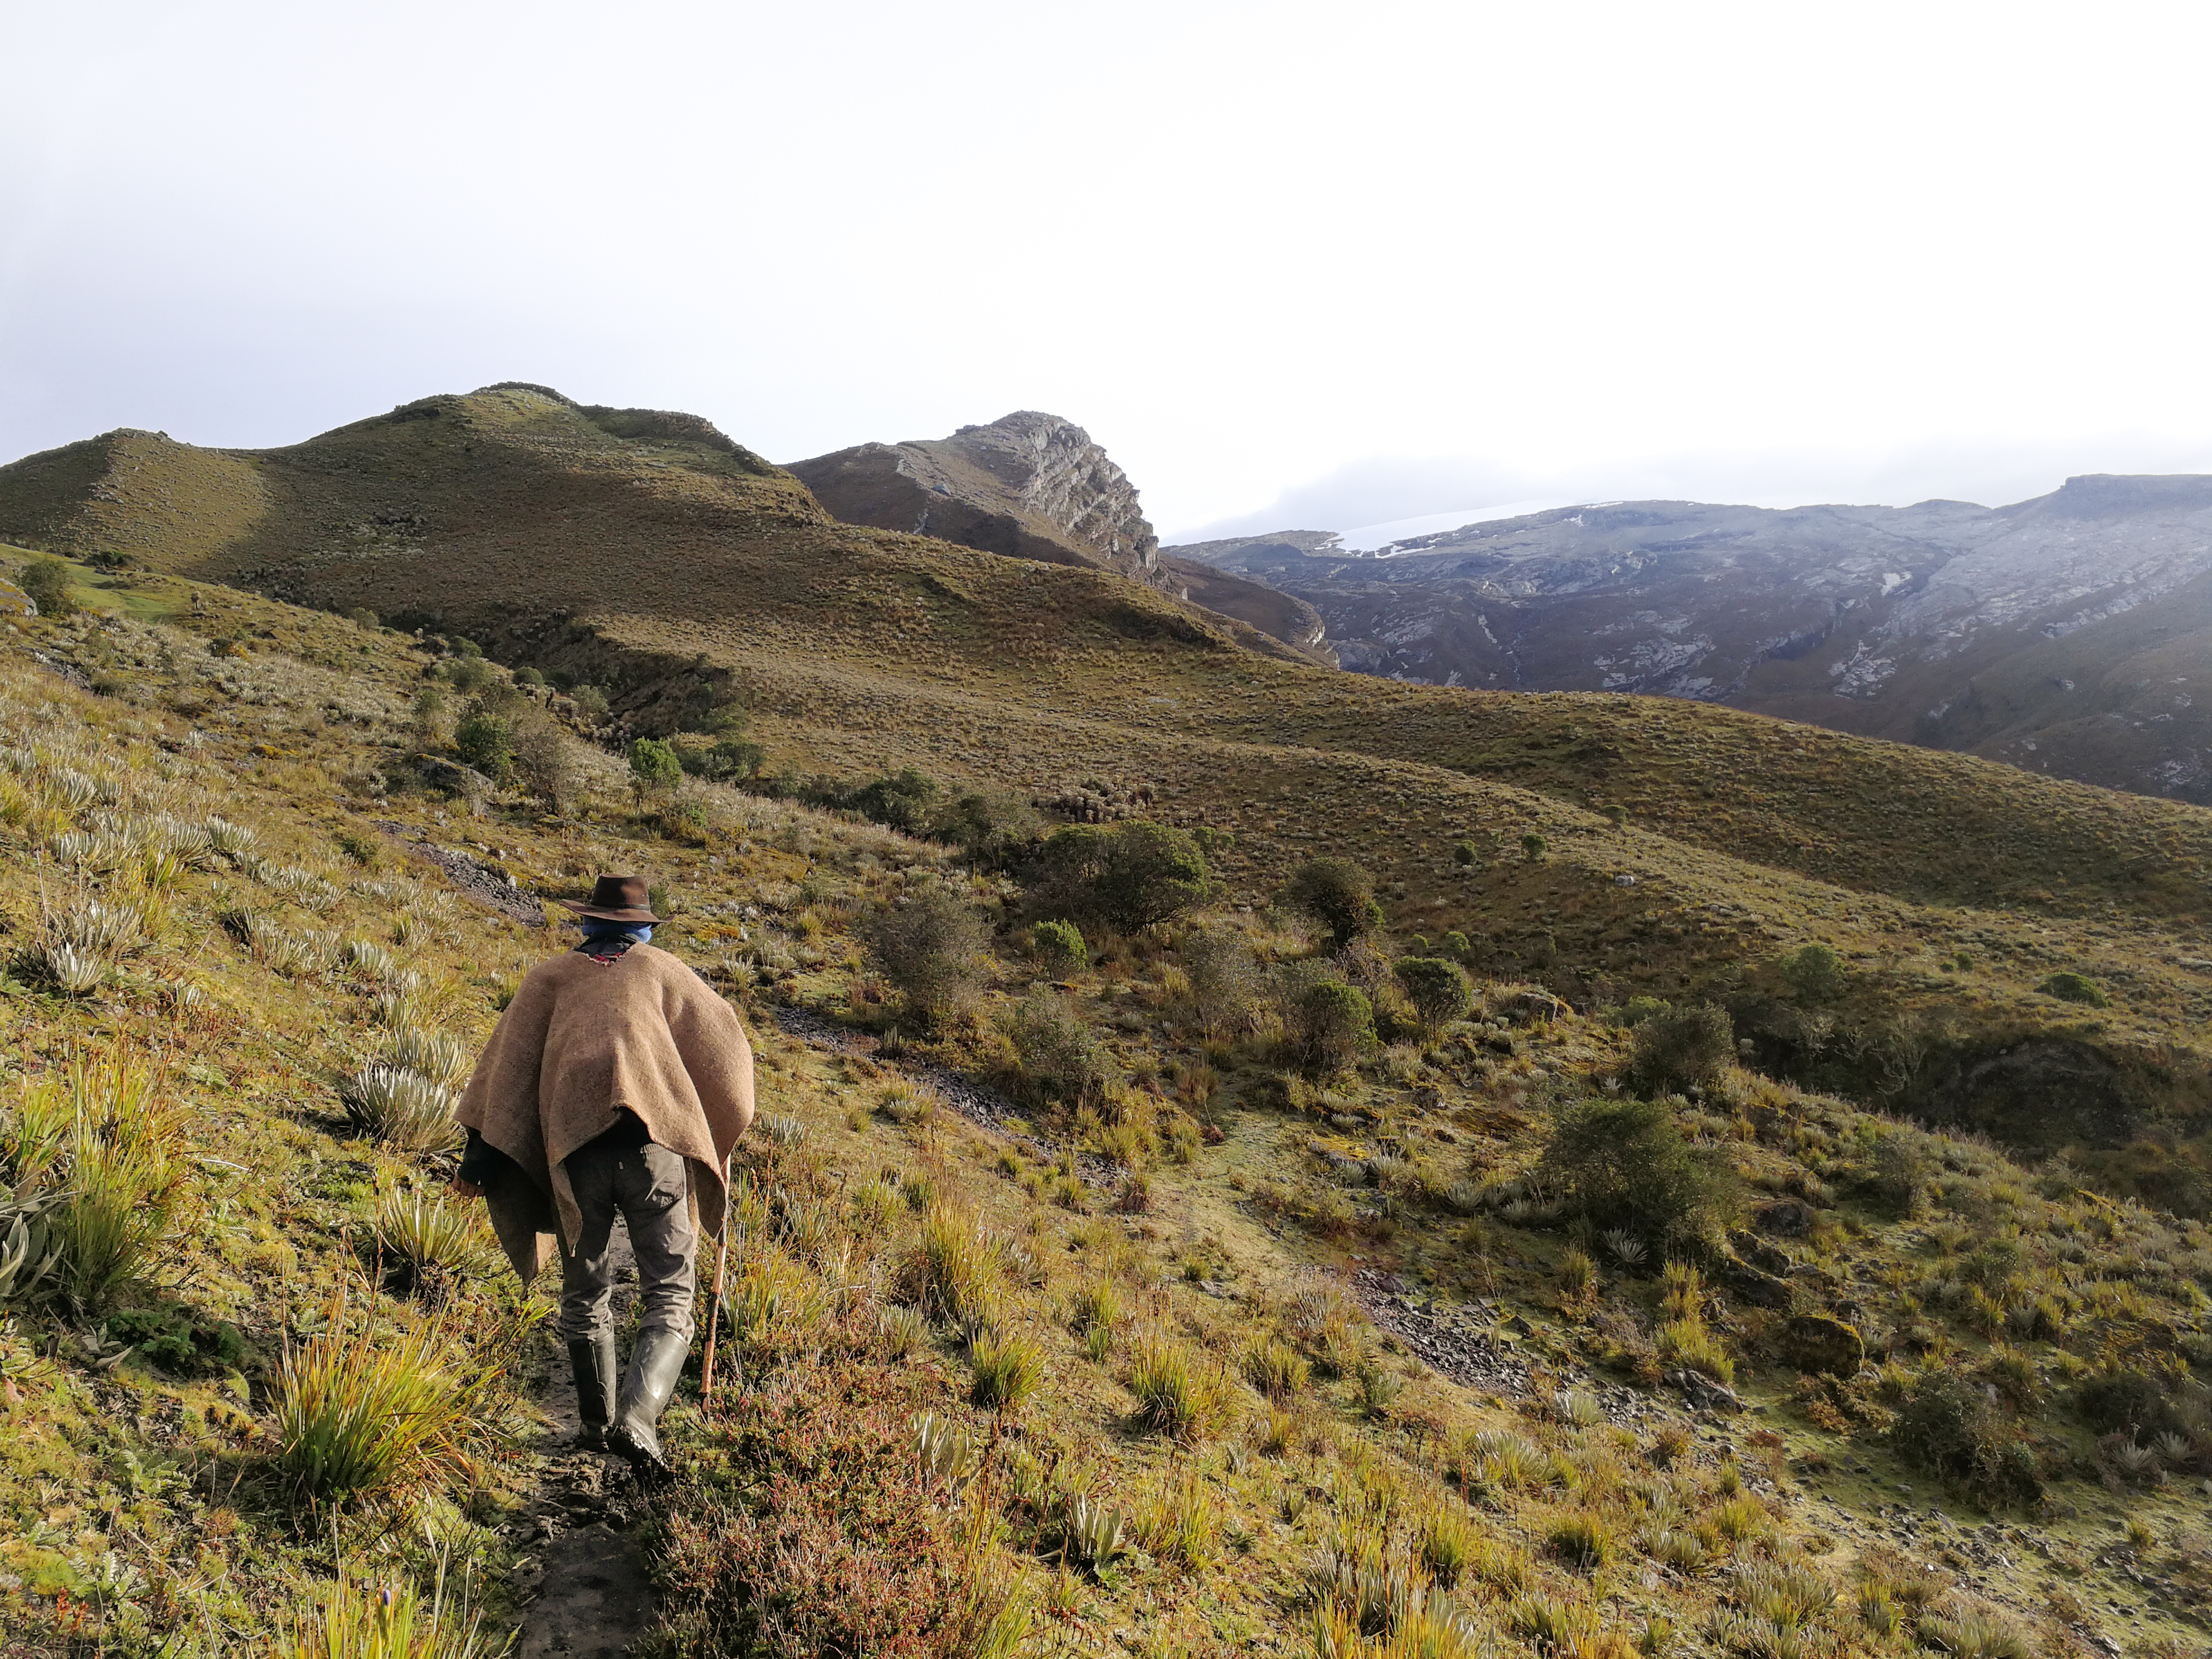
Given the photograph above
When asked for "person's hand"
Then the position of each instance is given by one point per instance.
(461, 1188)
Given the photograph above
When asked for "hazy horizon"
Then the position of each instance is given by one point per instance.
(1292, 271)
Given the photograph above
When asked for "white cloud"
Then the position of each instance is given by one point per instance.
(1808, 252)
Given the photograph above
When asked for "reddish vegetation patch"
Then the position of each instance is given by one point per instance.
(808, 1531)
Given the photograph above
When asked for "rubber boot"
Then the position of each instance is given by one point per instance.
(594, 1364)
(654, 1365)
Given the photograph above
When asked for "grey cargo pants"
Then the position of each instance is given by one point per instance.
(651, 1187)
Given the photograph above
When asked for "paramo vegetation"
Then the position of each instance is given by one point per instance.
(1137, 1254)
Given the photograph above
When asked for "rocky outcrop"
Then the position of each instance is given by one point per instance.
(1034, 486)
(1030, 485)
(2058, 634)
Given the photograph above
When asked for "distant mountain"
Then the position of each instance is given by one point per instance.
(1035, 486)
(2070, 634)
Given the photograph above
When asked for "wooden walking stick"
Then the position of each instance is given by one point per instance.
(714, 1305)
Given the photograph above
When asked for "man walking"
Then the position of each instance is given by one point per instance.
(616, 1082)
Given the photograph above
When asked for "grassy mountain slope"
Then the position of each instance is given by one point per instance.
(1461, 1396)
(647, 556)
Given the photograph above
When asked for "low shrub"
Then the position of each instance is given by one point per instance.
(1328, 1024)
(807, 1530)
(1814, 974)
(1624, 1165)
(1338, 895)
(1062, 1061)
(1440, 991)
(1681, 1048)
(930, 947)
(1947, 1427)
(1130, 875)
(1057, 948)
(2075, 988)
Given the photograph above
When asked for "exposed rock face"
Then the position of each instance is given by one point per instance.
(1029, 485)
(2066, 635)
(1034, 486)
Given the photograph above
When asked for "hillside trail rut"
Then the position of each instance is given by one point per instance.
(587, 1591)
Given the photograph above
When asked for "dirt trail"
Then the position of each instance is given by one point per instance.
(592, 1596)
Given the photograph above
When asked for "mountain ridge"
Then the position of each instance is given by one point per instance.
(2048, 632)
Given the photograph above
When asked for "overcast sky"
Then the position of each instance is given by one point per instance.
(1295, 265)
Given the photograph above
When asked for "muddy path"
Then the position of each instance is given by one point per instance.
(585, 1581)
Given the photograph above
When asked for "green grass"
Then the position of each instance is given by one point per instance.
(282, 1193)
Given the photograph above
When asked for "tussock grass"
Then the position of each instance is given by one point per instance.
(1277, 1370)
(952, 1273)
(390, 1622)
(1174, 1397)
(1004, 1370)
(359, 1410)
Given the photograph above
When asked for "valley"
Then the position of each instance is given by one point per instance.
(1231, 1267)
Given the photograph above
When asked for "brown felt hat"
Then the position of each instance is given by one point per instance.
(616, 898)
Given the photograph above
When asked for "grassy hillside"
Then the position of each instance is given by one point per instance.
(1228, 1348)
(1685, 849)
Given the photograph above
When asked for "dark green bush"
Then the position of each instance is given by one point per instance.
(1466, 854)
(2075, 988)
(1058, 947)
(485, 741)
(1225, 981)
(992, 826)
(654, 768)
(730, 760)
(47, 583)
(1337, 894)
(1061, 1058)
(1948, 1428)
(467, 673)
(590, 701)
(1456, 946)
(930, 947)
(1533, 847)
(1329, 1025)
(902, 802)
(529, 676)
(1623, 1164)
(1895, 1176)
(1681, 1048)
(1439, 990)
(1814, 974)
(1128, 875)
(2124, 1402)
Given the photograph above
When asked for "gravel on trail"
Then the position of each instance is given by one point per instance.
(487, 884)
(978, 1103)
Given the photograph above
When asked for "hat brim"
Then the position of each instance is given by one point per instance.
(635, 918)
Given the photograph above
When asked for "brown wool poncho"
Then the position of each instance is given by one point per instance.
(583, 1041)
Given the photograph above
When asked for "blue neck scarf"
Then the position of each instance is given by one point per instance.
(599, 931)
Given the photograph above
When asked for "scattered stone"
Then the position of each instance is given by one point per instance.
(1784, 1219)
(1749, 1284)
(1702, 1392)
